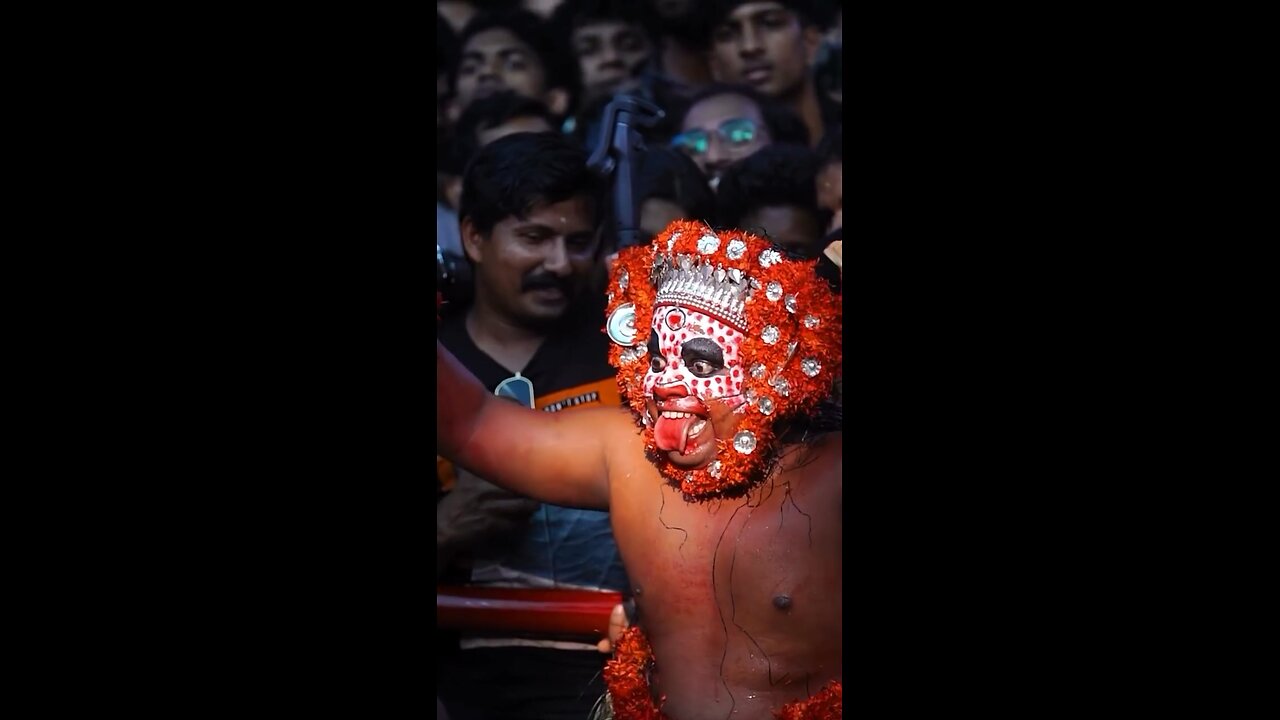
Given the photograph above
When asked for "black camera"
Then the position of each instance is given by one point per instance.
(453, 278)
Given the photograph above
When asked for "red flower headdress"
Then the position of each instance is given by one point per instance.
(792, 327)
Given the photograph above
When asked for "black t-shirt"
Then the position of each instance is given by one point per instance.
(574, 355)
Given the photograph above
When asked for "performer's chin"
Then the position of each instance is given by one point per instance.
(698, 452)
(684, 429)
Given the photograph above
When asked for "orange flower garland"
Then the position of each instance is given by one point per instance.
(806, 312)
(627, 671)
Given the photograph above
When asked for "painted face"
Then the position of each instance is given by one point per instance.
(694, 383)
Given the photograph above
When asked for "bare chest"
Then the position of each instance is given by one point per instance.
(745, 590)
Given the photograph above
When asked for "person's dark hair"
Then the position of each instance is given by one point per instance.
(690, 29)
(511, 175)
(558, 64)
(447, 46)
(671, 175)
(778, 174)
(572, 14)
(810, 12)
(783, 123)
(490, 112)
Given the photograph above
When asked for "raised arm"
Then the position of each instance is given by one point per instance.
(559, 458)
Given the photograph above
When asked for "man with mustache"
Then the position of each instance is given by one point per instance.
(723, 481)
(530, 218)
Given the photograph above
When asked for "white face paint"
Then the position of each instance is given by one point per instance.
(696, 353)
(694, 368)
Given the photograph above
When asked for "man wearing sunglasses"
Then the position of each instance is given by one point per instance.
(723, 481)
(726, 123)
(773, 47)
(530, 219)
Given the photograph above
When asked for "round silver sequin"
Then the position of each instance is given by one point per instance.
(639, 350)
(766, 405)
(782, 386)
(708, 244)
(810, 366)
(735, 249)
(810, 322)
(621, 326)
(623, 279)
(714, 469)
(769, 334)
(790, 302)
(744, 442)
(769, 257)
(773, 290)
(750, 395)
(757, 370)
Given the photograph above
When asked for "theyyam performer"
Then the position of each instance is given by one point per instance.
(722, 480)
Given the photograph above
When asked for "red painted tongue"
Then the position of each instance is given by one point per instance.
(670, 433)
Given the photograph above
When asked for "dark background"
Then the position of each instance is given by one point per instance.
(268, 350)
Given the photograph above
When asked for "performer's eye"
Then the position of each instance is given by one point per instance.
(657, 363)
(702, 356)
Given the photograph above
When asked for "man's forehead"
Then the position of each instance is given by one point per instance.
(566, 216)
(745, 11)
(711, 111)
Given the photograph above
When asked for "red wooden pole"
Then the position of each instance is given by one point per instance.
(524, 610)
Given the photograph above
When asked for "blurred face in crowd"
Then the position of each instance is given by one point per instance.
(497, 60)
(534, 123)
(610, 56)
(531, 268)
(790, 226)
(764, 45)
(656, 214)
(543, 8)
(720, 130)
